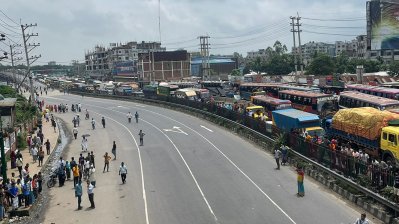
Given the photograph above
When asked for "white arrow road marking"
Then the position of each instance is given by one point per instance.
(202, 126)
(176, 130)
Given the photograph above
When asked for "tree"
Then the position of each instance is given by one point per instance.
(394, 68)
(236, 72)
(322, 64)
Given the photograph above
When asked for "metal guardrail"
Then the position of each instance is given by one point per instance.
(365, 191)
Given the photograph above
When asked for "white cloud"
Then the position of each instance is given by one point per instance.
(68, 28)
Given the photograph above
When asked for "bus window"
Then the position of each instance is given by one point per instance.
(384, 135)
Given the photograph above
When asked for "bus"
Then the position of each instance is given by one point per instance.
(375, 90)
(251, 89)
(353, 99)
(270, 104)
(299, 88)
(317, 103)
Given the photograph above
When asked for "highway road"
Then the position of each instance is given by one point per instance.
(188, 171)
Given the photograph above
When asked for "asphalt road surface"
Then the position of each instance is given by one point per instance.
(188, 171)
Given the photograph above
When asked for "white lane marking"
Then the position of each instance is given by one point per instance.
(228, 159)
(122, 107)
(185, 163)
(138, 105)
(238, 168)
(176, 130)
(139, 154)
(202, 126)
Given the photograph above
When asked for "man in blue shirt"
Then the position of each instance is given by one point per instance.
(78, 193)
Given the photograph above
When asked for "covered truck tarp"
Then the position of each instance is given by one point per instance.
(364, 121)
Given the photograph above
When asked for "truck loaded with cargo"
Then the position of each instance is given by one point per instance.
(288, 120)
(370, 129)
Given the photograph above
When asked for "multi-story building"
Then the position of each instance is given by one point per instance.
(355, 48)
(97, 61)
(261, 53)
(103, 60)
(164, 66)
(311, 48)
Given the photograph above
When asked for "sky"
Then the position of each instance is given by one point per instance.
(68, 28)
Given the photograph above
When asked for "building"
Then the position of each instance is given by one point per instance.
(382, 34)
(261, 53)
(356, 48)
(97, 61)
(221, 67)
(104, 61)
(51, 63)
(311, 48)
(164, 66)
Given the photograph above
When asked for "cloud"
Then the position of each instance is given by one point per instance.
(68, 28)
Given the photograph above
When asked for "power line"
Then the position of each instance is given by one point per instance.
(342, 20)
(333, 34)
(179, 42)
(9, 18)
(334, 27)
(258, 30)
(251, 39)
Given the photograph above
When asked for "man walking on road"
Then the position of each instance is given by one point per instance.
(107, 158)
(78, 193)
(90, 192)
(129, 117)
(277, 155)
(75, 132)
(93, 124)
(123, 172)
(47, 143)
(103, 122)
(114, 150)
(136, 115)
(141, 134)
(75, 172)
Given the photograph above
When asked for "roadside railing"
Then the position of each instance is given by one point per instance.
(342, 167)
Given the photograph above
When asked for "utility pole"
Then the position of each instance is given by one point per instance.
(293, 30)
(204, 50)
(299, 42)
(26, 37)
(13, 59)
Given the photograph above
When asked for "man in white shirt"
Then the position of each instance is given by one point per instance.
(362, 219)
(90, 192)
(129, 117)
(123, 172)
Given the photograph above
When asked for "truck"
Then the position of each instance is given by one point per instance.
(288, 120)
(167, 90)
(124, 90)
(375, 132)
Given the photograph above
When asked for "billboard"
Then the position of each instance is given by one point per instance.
(384, 22)
(125, 68)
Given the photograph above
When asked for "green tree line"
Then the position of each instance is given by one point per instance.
(279, 62)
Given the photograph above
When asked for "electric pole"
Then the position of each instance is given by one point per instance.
(29, 60)
(299, 42)
(293, 30)
(204, 50)
(13, 59)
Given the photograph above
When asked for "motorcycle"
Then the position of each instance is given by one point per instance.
(52, 180)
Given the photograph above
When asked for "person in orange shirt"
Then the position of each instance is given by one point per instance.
(300, 178)
(75, 171)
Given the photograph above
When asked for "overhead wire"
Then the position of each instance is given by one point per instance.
(334, 20)
(334, 34)
(334, 27)
(9, 17)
